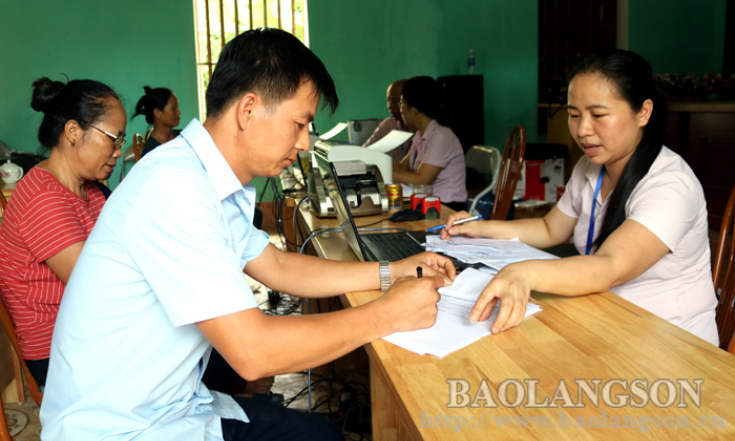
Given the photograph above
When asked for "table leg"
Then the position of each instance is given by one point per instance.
(383, 408)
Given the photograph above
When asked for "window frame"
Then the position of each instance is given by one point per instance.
(205, 57)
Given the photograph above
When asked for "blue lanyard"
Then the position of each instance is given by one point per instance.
(415, 156)
(591, 231)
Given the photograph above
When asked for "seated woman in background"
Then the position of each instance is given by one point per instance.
(161, 109)
(55, 206)
(634, 209)
(435, 157)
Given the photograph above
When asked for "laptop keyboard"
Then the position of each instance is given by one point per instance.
(394, 247)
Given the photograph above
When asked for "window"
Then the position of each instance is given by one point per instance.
(218, 21)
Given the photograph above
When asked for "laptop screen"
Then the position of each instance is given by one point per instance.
(337, 195)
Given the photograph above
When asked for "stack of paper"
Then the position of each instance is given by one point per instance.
(491, 252)
(453, 330)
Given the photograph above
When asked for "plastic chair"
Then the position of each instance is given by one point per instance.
(4, 432)
(9, 326)
(359, 130)
(510, 170)
(483, 160)
(723, 276)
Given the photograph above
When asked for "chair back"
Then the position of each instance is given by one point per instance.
(723, 275)
(359, 130)
(510, 170)
(484, 160)
(3, 203)
(9, 326)
(4, 432)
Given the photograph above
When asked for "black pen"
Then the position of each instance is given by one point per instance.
(419, 272)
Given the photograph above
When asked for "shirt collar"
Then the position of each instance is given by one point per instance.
(219, 171)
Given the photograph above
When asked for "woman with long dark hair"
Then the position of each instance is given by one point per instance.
(55, 206)
(435, 157)
(634, 209)
(161, 109)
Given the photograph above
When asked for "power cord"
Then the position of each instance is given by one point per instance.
(295, 216)
(301, 251)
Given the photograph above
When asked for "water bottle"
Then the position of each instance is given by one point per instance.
(471, 63)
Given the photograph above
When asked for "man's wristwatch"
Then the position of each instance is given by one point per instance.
(384, 275)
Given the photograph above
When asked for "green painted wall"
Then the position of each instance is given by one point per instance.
(678, 36)
(126, 44)
(367, 45)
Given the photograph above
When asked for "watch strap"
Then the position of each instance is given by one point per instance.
(384, 275)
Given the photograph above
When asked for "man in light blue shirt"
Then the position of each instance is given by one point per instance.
(160, 281)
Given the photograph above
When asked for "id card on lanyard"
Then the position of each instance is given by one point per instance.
(591, 230)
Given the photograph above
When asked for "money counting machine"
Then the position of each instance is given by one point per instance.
(362, 173)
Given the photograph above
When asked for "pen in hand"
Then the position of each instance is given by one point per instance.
(419, 272)
(459, 222)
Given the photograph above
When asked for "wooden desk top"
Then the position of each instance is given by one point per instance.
(581, 338)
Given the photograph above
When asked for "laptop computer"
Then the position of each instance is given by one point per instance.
(368, 247)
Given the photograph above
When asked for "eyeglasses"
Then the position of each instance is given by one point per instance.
(118, 141)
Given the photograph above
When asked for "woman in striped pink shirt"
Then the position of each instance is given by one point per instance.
(54, 207)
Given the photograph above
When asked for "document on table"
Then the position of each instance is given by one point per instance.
(453, 330)
(491, 252)
(390, 141)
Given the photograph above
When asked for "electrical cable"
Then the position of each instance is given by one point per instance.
(315, 234)
(265, 187)
(290, 306)
(367, 225)
(301, 251)
(295, 216)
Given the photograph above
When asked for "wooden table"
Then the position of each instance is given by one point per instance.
(589, 338)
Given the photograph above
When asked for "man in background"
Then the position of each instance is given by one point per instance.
(393, 122)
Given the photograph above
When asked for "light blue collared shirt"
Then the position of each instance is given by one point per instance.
(167, 252)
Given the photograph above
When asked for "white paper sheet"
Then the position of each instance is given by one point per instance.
(453, 330)
(407, 190)
(336, 129)
(491, 252)
(390, 141)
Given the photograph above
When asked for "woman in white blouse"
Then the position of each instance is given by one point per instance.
(633, 208)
